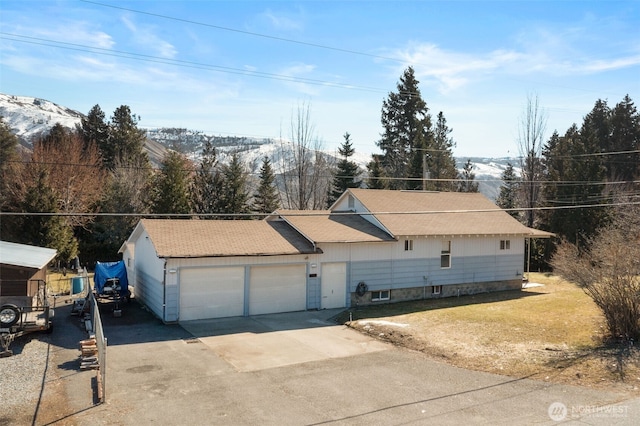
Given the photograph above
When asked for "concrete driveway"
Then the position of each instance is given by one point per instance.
(258, 371)
(268, 341)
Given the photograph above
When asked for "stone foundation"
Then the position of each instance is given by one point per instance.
(451, 290)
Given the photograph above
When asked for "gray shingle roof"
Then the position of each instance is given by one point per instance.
(214, 238)
(322, 226)
(440, 213)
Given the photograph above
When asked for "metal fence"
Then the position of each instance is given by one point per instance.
(101, 343)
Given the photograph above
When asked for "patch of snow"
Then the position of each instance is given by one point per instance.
(382, 322)
(529, 285)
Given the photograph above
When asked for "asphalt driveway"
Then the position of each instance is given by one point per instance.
(292, 370)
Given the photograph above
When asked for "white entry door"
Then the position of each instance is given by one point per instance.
(334, 285)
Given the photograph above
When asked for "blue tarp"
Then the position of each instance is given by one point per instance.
(106, 270)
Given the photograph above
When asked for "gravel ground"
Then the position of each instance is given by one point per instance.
(23, 375)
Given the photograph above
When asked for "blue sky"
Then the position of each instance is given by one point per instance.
(243, 67)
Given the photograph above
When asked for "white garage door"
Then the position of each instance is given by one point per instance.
(211, 293)
(334, 285)
(277, 289)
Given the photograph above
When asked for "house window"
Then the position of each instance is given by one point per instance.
(505, 244)
(379, 295)
(445, 255)
(436, 289)
(408, 245)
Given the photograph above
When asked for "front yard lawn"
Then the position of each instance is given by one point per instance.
(551, 332)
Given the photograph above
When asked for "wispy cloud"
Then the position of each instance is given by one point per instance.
(300, 70)
(146, 37)
(282, 21)
(450, 70)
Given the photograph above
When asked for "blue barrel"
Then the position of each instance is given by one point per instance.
(77, 285)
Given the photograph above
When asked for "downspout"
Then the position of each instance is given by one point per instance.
(164, 292)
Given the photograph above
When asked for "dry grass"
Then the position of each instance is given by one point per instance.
(553, 332)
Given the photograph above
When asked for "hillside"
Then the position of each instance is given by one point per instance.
(30, 118)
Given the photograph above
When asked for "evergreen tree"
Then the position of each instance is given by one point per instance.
(441, 165)
(407, 131)
(126, 141)
(346, 173)
(8, 159)
(208, 183)
(235, 194)
(624, 139)
(127, 191)
(47, 231)
(508, 197)
(573, 178)
(376, 173)
(265, 199)
(466, 180)
(11, 186)
(171, 186)
(94, 128)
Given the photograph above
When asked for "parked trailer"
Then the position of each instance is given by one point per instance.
(23, 316)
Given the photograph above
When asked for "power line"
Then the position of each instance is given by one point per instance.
(254, 34)
(312, 213)
(181, 63)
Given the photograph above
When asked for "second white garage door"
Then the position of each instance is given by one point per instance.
(277, 289)
(211, 293)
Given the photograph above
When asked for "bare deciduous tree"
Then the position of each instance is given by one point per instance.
(300, 165)
(532, 127)
(608, 270)
(74, 174)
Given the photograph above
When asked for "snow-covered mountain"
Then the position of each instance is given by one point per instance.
(30, 118)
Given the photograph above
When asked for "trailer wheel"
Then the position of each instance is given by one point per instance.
(9, 315)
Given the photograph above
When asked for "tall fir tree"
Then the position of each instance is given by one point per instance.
(441, 165)
(207, 190)
(407, 131)
(126, 140)
(170, 189)
(235, 195)
(47, 230)
(508, 197)
(624, 140)
(11, 185)
(466, 180)
(376, 179)
(94, 128)
(266, 200)
(347, 172)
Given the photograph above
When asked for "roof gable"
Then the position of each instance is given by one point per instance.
(438, 213)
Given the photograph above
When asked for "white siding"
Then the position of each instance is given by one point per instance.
(149, 285)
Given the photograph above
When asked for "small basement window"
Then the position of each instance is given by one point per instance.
(408, 245)
(505, 244)
(436, 289)
(380, 295)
